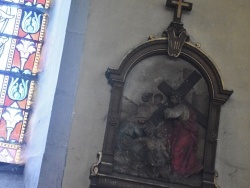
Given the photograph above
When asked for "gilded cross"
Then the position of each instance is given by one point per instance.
(179, 5)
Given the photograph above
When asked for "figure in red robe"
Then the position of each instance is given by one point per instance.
(183, 139)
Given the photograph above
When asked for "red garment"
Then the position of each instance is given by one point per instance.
(183, 141)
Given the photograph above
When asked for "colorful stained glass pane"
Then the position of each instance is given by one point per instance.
(34, 3)
(19, 91)
(32, 25)
(22, 22)
(10, 153)
(22, 30)
(7, 155)
(23, 56)
(12, 121)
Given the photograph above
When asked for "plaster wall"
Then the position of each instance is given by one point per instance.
(54, 156)
(116, 26)
(45, 92)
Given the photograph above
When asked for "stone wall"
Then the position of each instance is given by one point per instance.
(116, 26)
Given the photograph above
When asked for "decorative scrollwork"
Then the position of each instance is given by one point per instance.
(25, 48)
(12, 115)
(95, 167)
(18, 87)
(31, 22)
(177, 36)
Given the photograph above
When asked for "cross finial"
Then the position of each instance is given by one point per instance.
(179, 5)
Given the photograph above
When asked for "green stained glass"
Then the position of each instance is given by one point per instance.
(22, 29)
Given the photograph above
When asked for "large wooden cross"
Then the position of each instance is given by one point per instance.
(183, 90)
(179, 5)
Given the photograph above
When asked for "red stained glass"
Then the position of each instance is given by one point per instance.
(26, 56)
(21, 104)
(36, 3)
(22, 48)
(32, 24)
(21, 37)
(15, 135)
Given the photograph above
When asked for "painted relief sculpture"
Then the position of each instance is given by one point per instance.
(22, 28)
(141, 147)
(163, 117)
(184, 139)
(161, 132)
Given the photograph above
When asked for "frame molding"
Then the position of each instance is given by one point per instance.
(102, 174)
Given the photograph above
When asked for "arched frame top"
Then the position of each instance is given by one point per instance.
(189, 53)
(102, 174)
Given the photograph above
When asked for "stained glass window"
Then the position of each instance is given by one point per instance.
(22, 29)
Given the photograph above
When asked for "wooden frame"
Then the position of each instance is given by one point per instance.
(102, 174)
